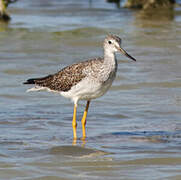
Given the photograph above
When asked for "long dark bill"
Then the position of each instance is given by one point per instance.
(126, 54)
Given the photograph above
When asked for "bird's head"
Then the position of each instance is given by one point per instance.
(112, 44)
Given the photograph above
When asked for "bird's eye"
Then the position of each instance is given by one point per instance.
(109, 42)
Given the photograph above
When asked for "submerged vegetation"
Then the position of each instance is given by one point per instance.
(149, 4)
(153, 8)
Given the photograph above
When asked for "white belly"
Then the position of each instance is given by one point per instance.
(88, 89)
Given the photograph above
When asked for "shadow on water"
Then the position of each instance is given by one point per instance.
(76, 151)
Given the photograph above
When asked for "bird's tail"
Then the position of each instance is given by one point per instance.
(30, 81)
(38, 81)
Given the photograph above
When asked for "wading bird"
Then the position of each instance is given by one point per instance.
(85, 80)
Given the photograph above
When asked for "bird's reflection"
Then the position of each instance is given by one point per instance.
(81, 141)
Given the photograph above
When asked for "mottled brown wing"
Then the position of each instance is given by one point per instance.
(68, 76)
(64, 79)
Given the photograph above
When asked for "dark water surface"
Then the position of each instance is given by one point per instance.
(134, 131)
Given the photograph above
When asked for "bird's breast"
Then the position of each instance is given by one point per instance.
(108, 73)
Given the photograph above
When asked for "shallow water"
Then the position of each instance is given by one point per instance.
(134, 131)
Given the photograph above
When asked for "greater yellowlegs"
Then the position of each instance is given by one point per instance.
(85, 80)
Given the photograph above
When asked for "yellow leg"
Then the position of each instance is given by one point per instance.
(74, 123)
(84, 120)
